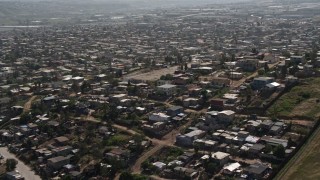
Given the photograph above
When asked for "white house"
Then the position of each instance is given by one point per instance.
(159, 117)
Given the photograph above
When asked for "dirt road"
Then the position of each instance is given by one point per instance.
(23, 169)
(27, 105)
(167, 140)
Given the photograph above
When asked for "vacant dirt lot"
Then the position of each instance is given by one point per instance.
(152, 75)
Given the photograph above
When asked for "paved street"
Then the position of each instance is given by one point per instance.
(24, 170)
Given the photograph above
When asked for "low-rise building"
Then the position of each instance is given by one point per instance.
(58, 162)
(220, 157)
(260, 82)
(159, 117)
(167, 89)
(187, 139)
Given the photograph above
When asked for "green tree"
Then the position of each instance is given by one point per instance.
(267, 149)
(286, 54)
(75, 87)
(266, 67)
(25, 118)
(261, 72)
(126, 176)
(212, 167)
(186, 66)
(233, 57)
(279, 151)
(85, 87)
(284, 71)
(204, 95)
(11, 164)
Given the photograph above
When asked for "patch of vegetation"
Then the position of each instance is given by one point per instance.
(301, 100)
(117, 140)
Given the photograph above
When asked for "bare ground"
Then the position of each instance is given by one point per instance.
(152, 75)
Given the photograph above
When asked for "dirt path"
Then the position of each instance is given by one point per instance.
(167, 140)
(27, 105)
(122, 128)
(23, 169)
(136, 168)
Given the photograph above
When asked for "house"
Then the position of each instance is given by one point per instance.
(75, 175)
(187, 139)
(260, 82)
(13, 175)
(226, 116)
(167, 89)
(181, 80)
(49, 100)
(252, 139)
(291, 80)
(190, 102)
(256, 171)
(220, 82)
(217, 104)
(231, 168)
(62, 140)
(119, 154)
(272, 86)
(159, 165)
(194, 91)
(205, 144)
(274, 141)
(297, 59)
(182, 172)
(220, 157)
(248, 64)
(211, 116)
(4, 104)
(16, 110)
(62, 151)
(256, 148)
(58, 162)
(161, 82)
(216, 81)
(104, 130)
(174, 110)
(159, 117)
(236, 75)
(186, 157)
(118, 97)
(270, 58)
(266, 125)
(155, 128)
(275, 129)
(243, 134)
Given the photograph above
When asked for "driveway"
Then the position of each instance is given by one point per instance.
(23, 169)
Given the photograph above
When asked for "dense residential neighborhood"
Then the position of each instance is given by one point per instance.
(217, 92)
